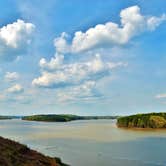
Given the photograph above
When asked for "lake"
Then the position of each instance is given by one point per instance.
(90, 143)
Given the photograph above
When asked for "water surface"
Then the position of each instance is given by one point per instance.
(93, 142)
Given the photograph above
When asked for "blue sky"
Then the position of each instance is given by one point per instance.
(77, 57)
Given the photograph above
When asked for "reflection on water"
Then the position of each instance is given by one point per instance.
(94, 142)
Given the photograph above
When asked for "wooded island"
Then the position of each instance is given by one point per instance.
(63, 118)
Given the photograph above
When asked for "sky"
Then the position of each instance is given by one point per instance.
(82, 57)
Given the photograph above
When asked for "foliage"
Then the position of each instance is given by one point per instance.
(151, 120)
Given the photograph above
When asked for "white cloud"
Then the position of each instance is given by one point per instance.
(15, 89)
(74, 73)
(14, 39)
(160, 96)
(11, 76)
(154, 22)
(109, 34)
(54, 63)
(61, 44)
(80, 92)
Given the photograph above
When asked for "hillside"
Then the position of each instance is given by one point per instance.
(15, 154)
(151, 120)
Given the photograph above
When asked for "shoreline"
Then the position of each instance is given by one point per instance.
(141, 129)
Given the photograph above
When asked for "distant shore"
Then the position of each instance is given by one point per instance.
(143, 121)
(5, 117)
(15, 154)
(63, 118)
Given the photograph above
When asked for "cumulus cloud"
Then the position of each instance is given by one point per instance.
(154, 22)
(11, 76)
(15, 89)
(14, 39)
(81, 92)
(73, 73)
(53, 64)
(78, 78)
(132, 24)
(61, 44)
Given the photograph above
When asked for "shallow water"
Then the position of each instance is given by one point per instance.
(93, 142)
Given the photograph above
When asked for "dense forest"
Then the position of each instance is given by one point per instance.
(150, 120)
(63, 118)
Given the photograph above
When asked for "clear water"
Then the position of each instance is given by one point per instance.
(90, 143)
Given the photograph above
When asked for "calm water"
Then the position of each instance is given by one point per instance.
(90, 143)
